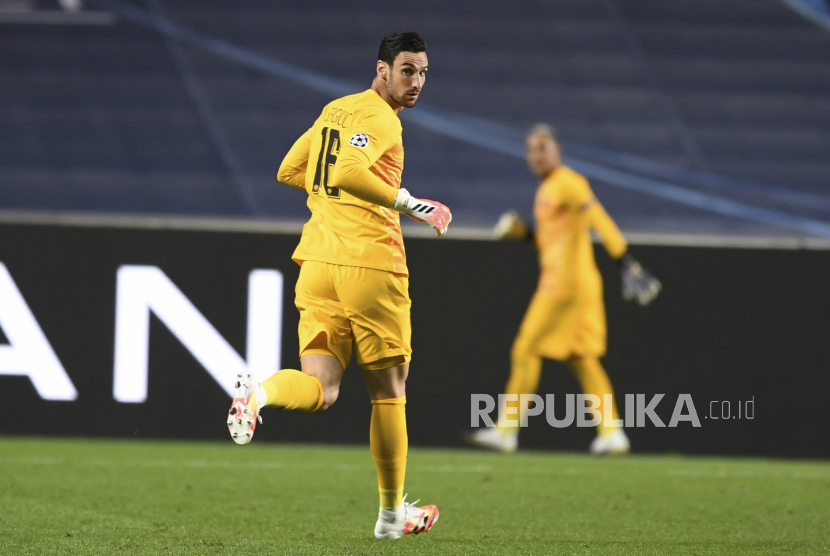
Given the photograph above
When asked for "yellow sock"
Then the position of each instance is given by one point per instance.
(525, 371)
(389, 444)
(290, 389)
(594, 380)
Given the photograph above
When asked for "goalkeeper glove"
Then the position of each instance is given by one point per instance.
(511, 226)
(637, 282)
(430, 213)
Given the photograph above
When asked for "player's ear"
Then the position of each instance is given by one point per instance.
(383, 69)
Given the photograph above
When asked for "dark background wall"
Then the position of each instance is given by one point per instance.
(730, 325)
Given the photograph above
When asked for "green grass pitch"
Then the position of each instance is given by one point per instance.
(140, 497)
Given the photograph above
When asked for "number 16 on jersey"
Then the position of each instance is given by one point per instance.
(329, 149)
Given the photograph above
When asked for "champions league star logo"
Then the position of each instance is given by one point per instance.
(359, 140)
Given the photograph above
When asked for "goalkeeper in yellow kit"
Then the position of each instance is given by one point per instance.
(566, 317)
(353, 288)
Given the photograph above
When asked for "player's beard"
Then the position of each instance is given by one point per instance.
(401, 100)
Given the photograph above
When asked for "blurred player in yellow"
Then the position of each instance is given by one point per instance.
(353, 289)
(566, 317)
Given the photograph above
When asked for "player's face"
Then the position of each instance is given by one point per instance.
(406, 77)
(542, 154)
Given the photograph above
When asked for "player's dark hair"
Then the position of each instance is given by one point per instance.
(400, 41)
(544, 129)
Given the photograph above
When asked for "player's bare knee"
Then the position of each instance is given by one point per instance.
(575, 363)
(330, 395)
(386, 382)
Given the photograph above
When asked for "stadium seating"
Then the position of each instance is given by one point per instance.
(729, 93)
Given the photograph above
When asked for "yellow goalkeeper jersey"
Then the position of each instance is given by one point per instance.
(565, 210)
(360, 129)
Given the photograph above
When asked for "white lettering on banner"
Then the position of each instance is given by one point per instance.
(28, 352)
(141, 289)
(586, 404)
(684, 400)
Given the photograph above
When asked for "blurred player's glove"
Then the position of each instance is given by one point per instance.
(511, 225)
(637, 282)
(431, 213)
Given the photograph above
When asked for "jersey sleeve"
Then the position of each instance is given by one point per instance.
(609, 233)
(293, 168)
(580, 197)
(372, 136)
(577, 194)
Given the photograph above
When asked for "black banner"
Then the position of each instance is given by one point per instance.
(128, 333)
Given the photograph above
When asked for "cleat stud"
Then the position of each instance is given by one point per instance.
(239, 421)
(232, 411)
(245, 410)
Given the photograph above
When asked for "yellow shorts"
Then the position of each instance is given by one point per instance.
(557, 328)
(344, 305)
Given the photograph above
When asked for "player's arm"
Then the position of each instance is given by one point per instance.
(374, 136)
(354, 178)
(637, 282)
(610, 235)
(352, 175)
(293, 167)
